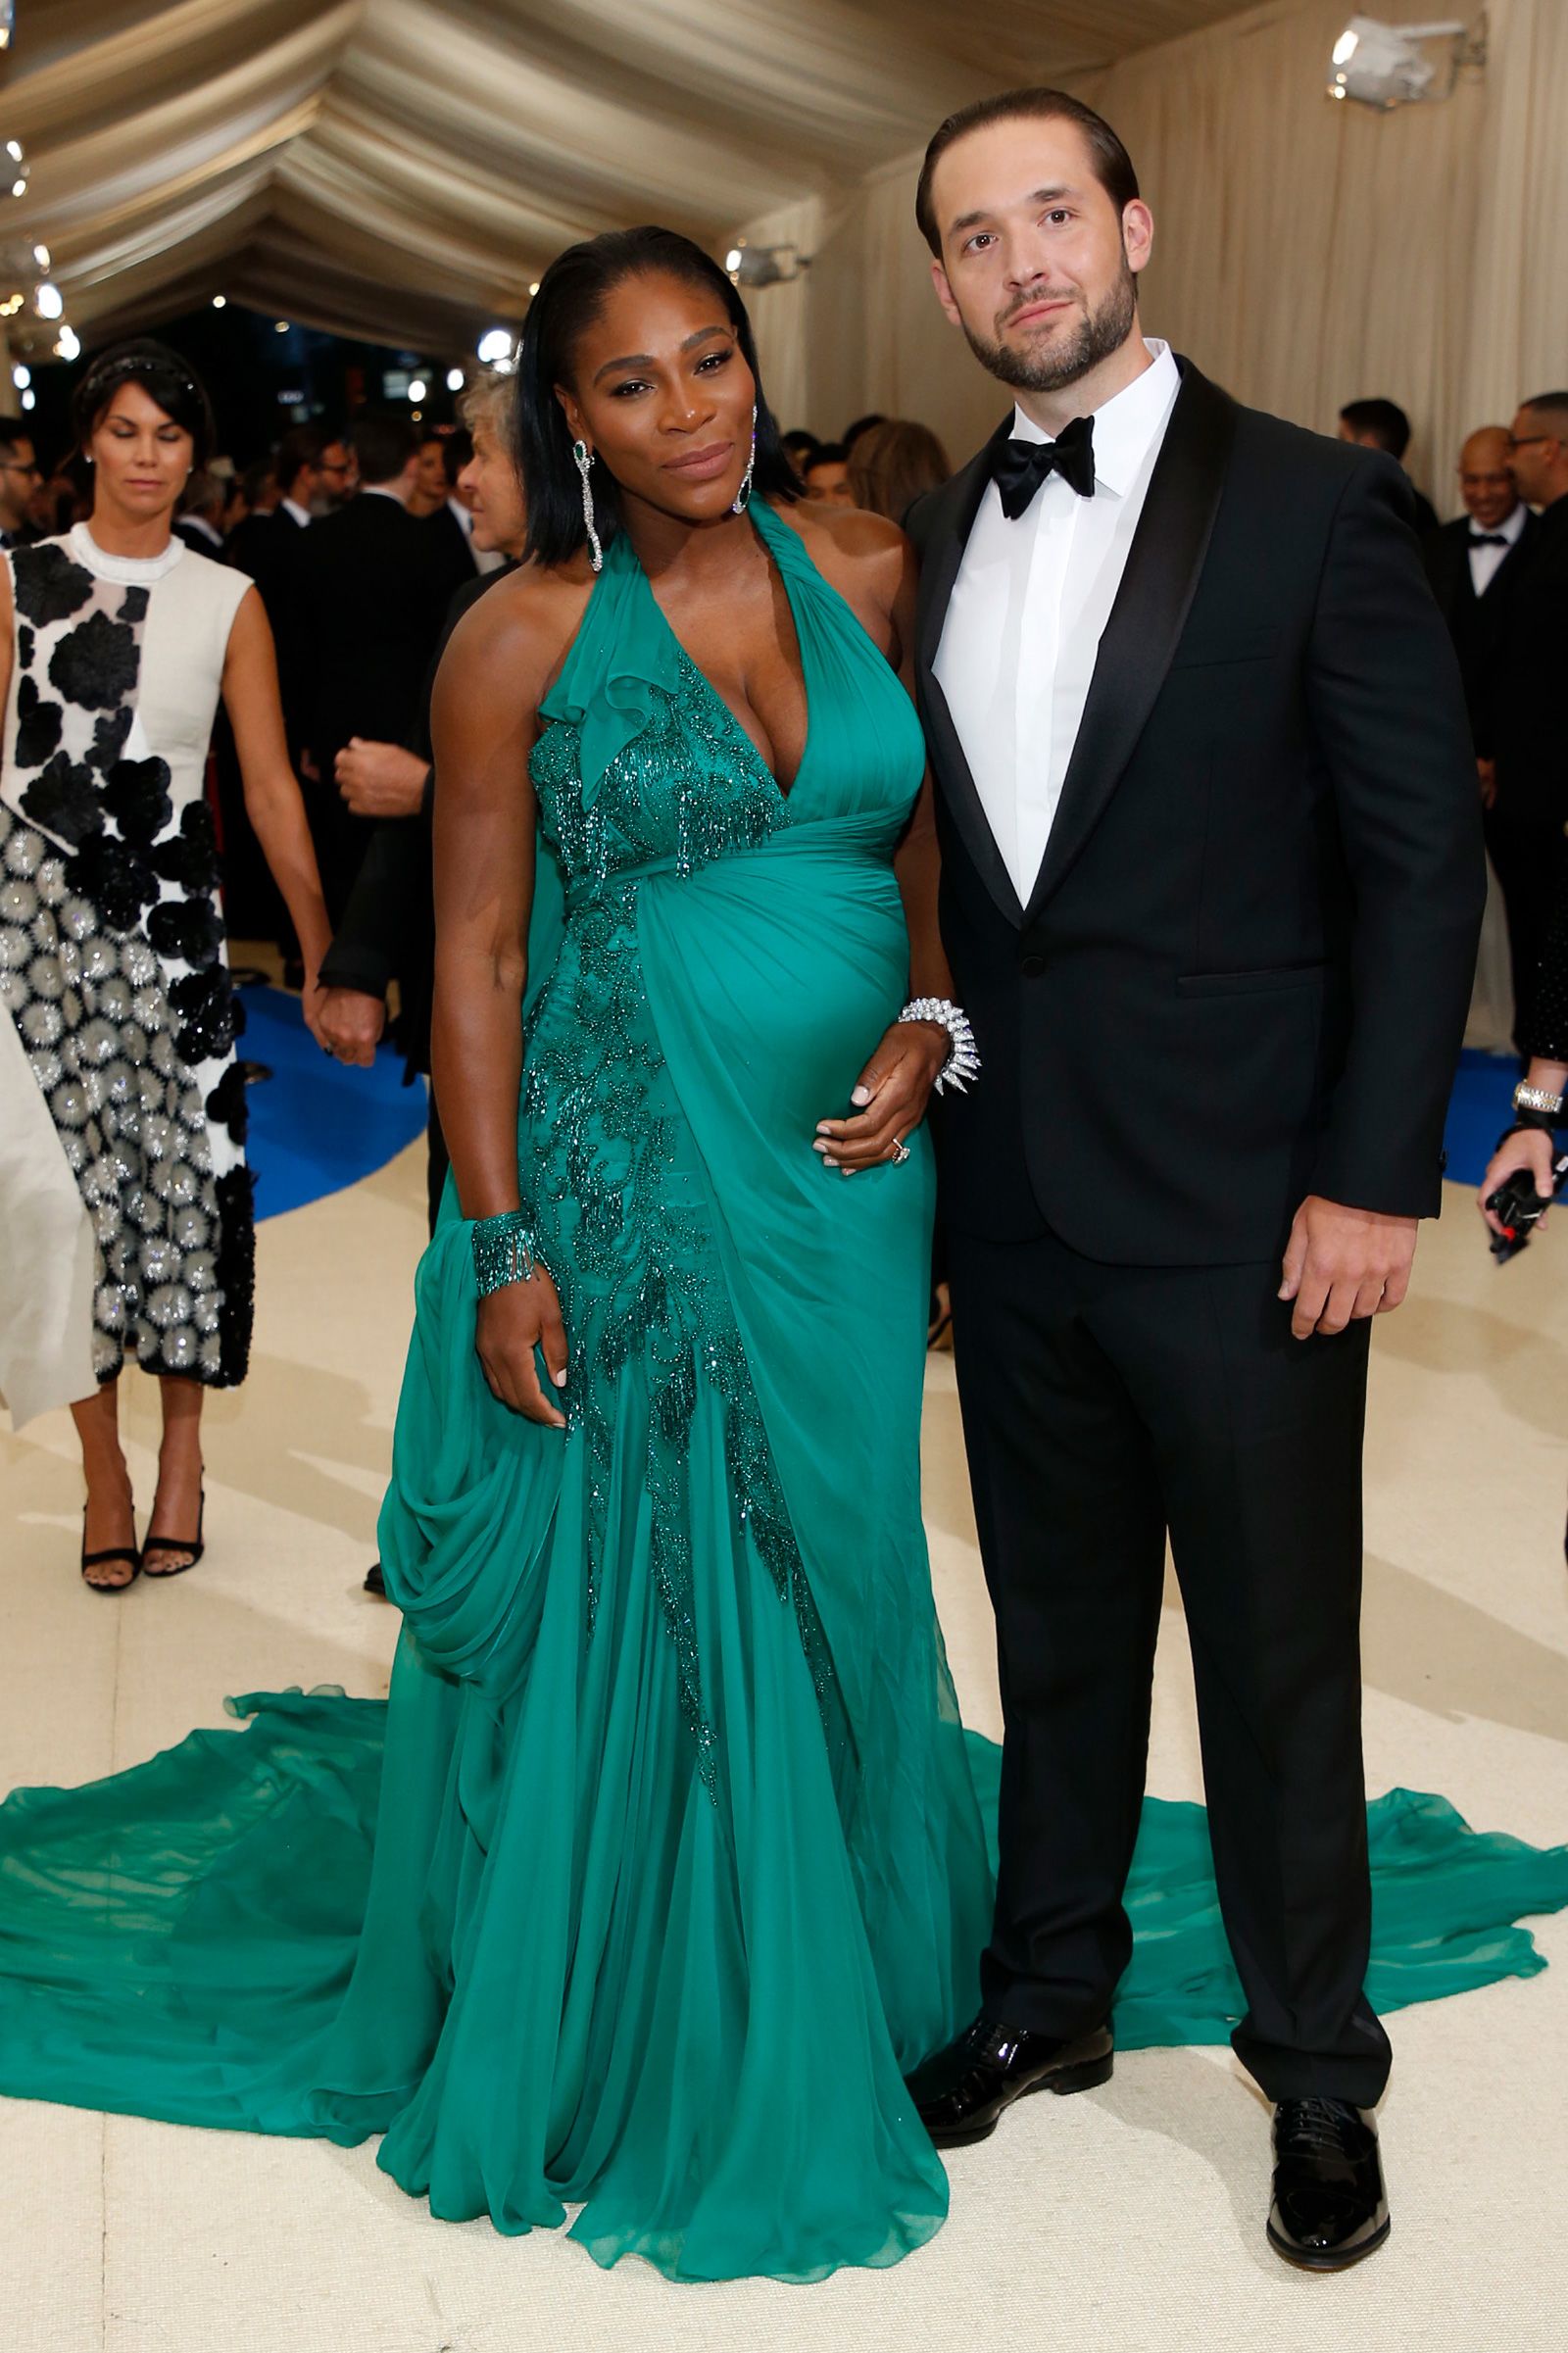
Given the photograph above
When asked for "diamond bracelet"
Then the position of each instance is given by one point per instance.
(504, 1252)
(964, 1061)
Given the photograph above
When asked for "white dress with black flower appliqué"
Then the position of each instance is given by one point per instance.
(126, 1220)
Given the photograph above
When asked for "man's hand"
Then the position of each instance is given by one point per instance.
(349, 1024)
(1528, 1147)
(1343, 1264)
(381, 780)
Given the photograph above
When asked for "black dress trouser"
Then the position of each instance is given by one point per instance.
(1529, 855)
(1103, 1406)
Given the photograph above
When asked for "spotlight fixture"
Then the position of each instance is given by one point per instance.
(417, 388)
(455, 379)
(1385, 65)
(496, 347)
(48, 301)
(21, 377)
(68, 344)
(220, 302)
(281, 326)
(764, 265)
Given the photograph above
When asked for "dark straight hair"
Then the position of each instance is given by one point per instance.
(163, 375)
(571, 296)
(1114, 165)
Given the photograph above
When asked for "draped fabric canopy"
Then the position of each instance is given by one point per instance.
(405, 168)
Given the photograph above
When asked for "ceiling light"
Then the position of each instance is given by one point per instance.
(417, 388)
(282, 326)
(68, 344)
(455, 379)
(48, 301)
(40, 254)
(29, 400)
(495, 345)
(220, 302)
(764, 265)
(534, 288)
(22, 377)
(1387, 66)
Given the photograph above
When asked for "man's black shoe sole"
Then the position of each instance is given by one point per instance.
(1300, 2261)
(1087, 2076)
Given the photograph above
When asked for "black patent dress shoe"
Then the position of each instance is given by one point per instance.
(1330, 2207)
(374, 1582)
(961, 2092)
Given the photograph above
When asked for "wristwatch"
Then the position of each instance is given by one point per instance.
(1536, 1099)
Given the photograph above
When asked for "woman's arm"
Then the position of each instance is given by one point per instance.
(273, 798)
(484, 719)
(894, 1087)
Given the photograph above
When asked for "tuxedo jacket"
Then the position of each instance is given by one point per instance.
(1523, 725)
(1242, 972)
(375, 585)
(271, 548)
(1476, 624)
(388, 926)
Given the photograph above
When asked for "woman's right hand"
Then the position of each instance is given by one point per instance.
(1527, 1148)
(511, 1324)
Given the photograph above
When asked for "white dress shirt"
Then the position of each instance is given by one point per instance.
(485, 560)
(1028, 608)
(1485, 563)
(301, 514)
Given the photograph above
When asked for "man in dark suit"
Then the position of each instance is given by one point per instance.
(375, 586)
(1520, 725)
(20, 477)
(1382, 424)
(1474, 563)
(1212, 884)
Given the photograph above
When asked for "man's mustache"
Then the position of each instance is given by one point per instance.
(1027, 302)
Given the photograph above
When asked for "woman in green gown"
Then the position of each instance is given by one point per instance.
(664, 1865)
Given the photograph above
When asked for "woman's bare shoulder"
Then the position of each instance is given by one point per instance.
(522, 627)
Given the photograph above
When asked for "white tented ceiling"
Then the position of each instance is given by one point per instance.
(404, 169)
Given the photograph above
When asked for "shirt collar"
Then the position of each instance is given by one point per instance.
(1509, 530)
(464, 518)
(1128, 424)
(301, 514)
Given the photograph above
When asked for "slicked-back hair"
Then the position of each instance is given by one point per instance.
(1384, 420)
(302, 446)
(1553, 406)
(1114, 165)
(571, 297)
(384, 443)
(163, 375)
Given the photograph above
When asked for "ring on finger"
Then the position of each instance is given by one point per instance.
(898, 1152)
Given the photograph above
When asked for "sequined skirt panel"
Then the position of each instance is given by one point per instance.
(128, 1055)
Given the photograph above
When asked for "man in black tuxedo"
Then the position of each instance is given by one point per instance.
(1520, 725)
(1474, 563)
(375, 586)
(1382, 424)
(1212, 884)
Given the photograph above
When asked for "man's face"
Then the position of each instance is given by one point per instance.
(335, 479)
(20, 477)
(1486, 484)
(1037, 267)
(1533, 456)
(830, 483)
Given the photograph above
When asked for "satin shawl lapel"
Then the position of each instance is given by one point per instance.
(1147, 619)
(955, 506)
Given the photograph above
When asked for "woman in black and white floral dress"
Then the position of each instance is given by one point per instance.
(125, 1222)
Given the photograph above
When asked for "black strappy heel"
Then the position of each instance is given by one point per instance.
(178, 1543)
(96, 1560)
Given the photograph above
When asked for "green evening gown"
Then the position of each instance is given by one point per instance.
(667, 1856)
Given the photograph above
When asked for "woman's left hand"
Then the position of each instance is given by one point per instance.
(894, 1089)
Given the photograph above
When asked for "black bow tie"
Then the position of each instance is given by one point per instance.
(1487, 539)
(1018, 468)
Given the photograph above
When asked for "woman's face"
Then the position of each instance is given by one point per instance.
(663, 396)
(489, 487)
(141, 458)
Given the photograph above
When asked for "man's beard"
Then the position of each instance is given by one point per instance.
(1064, 359)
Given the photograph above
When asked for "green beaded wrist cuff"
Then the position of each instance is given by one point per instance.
(502, 1251)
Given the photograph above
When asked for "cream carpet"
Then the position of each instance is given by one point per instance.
(1129, 2221)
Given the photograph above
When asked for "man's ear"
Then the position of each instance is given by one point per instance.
(1137, 233)
(944, 293)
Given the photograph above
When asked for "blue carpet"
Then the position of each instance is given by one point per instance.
(316, 1125)
(1478, 1110)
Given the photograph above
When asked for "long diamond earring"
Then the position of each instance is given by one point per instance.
(585, 457)
(743, 496)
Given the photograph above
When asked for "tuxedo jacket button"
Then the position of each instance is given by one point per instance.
(1030, 966)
